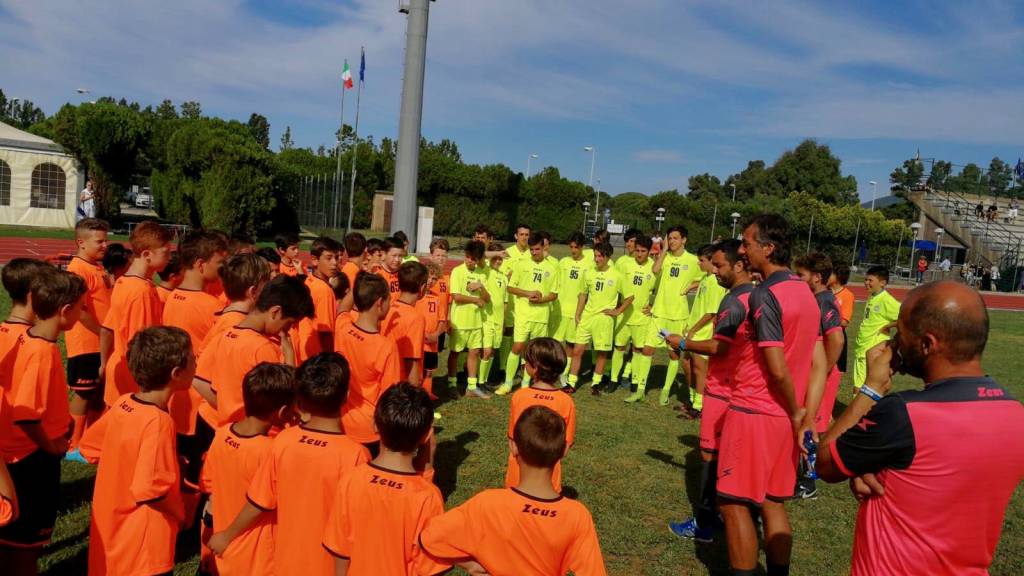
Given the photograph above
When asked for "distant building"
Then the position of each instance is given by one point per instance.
(39, 182)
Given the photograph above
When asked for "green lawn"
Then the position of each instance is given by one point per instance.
(635, 466)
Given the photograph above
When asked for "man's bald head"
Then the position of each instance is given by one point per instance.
(954, 314)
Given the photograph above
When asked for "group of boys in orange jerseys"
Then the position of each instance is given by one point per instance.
(285, 410)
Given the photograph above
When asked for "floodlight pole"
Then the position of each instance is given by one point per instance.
(403, 209)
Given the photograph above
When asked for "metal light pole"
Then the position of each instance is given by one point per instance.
(586, 212)
(733, 192)
(593, 157)
(874, 186)
(735, 218)
(856, 237)
(916, 227)
(403, 214)
(660, 217)
(938, 245)
(899, 245)
(809, 230)
(597, 204)
(714, 220)
(528, 158)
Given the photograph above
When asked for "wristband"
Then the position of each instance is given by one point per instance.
(867, 391)
(682, 345)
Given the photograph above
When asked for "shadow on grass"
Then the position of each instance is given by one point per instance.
(449, 456)
(75, 493)
(77, 563)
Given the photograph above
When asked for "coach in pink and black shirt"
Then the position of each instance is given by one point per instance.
(934, 468)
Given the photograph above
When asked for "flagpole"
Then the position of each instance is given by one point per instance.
(355, 150)
(337, 152)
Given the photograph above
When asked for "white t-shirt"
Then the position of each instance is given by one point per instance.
(87, 204)
(945, 265)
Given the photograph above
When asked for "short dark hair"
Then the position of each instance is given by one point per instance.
(536, 238)
(706, 251)
(497, 246)
(482, 229)
(773, 229)
(402, 237)
(340, 286)
(241, 272)
(387, 244)
(539, 435)
(200, 245)
(631, 234)
(678, 228)
(240, 242)
(403, 417)
(523, 226)
(600, 236)
(577, 238)
(644, 241)
(267, 388)
(374, 244)
(605, 249)
(322, 384)
(118, 256)
(439, 243)
(964, 334)
(17, 277)
(270, 255)
(286, 240)
(880, 272)
(324, 244)
(53, 289)
(155, 352)
(475, 249)
(172, 269)
(91, 224)
(815, 263)
(842, 272)
(546, 236)
(731, 250)
(355, 244)
(412, 276)
(547, 356)
(369, 289)
(288, 292)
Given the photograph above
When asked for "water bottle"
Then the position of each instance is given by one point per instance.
(812, 455)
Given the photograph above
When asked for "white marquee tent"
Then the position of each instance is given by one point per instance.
(39, 182)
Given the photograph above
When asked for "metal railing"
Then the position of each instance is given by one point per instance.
(991, 233)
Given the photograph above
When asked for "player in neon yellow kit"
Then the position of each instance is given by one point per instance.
(494, 313)
(702, 314)
(639, 284)
(678, 273)
(596, 311)
(880, 314)
(624, 264)
(570, 283)
(533, 285)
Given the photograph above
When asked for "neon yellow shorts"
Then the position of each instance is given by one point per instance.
(563, 329)
(656, 325)
(526, 331)
(635, 334)
(492, 334)
(598, 330)
(467, 339)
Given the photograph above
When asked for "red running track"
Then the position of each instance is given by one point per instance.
(57, 249)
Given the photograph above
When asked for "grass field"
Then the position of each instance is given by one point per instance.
(635, 466)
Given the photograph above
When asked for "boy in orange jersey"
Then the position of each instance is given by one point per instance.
(374, 255)
(36, 422)
(343, 299)
(134, 305)
(355, 254)
(373, 359)
(544, 361)
(243, 277)
(137, 506)
(8, 496)
(405, 324)
(387, 496)
(300, 478)
(116, 261)
(316, 334)
(194, 310)
(83, 340)
(170, 277)
(526, 530)
(225, 361)
(393, 252)
(17, 278)
(237, 453)
(435, 314)
(287, 246)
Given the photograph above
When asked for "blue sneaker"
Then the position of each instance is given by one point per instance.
(75, 456)
(689, 530)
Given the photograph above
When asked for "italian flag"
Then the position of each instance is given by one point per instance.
(346, 77)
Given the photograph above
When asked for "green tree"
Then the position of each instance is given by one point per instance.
(908, 176)
(19, 112)
(999, 176)
(812, 168)
(704, 187)
(166, 111)
(191, 110)
(939, 173)
(260, 128)
(286, 139)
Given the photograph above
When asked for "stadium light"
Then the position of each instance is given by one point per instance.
(735, 218)
(528, 158)
(733, 192)
(916, 227)
(874, 185)
(660, 217)
(586, 212)
(593, 156)
(938, 244)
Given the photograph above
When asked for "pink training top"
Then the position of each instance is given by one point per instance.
(783, 314)
(731, 326)
(950, 457)
(831, 320)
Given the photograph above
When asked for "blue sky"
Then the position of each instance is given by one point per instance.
(663, 88)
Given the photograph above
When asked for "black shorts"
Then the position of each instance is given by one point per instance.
(440, 342)
(37, 483)
(84, 372)
(430, 360)
(841, 364)
(193, 448)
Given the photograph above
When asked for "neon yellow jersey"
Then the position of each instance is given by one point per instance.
(638, 282)
(514, 254)
(570, 284)
(625, 263)
(603, 289)
(677, 273)
(588, 258)
(410, 258)
(709, 296)
(497, 288)
(466, 316)
(879, 310)
(533, 276)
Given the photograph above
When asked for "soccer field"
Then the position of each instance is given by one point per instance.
(635, 466)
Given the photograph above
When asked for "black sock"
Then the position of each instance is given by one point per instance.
(778, 569)
(707, 512)
(749, 572)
